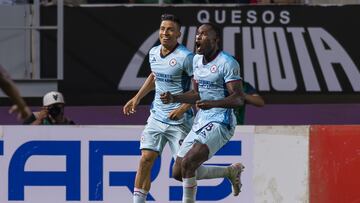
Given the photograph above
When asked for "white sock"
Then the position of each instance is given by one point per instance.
(139, 195)
(210, 172)
(189, 190)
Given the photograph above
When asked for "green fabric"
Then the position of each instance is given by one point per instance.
(46, 122)
(240, 115)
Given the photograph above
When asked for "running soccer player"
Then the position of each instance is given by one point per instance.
(217, 91)
(171, 66)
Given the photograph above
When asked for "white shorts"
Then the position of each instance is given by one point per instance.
(214, 135)
(156, 134)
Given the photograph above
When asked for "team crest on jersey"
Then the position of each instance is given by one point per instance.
(213, 69)
(172, 62)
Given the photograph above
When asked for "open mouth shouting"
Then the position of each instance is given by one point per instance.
(198, 47)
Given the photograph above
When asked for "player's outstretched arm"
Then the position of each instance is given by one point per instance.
(254, 99)
(235, 98)
(8, 86)
(189, 97)
(23, 112)
(148, 86)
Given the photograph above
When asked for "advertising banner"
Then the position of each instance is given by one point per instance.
(84, 164)
(291, 54)
(97, 163)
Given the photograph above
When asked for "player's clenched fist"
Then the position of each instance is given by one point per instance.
(203, 104)
(166, 97)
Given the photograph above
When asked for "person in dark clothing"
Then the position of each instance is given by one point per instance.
(52, 111)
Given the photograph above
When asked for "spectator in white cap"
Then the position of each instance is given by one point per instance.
(52, 111)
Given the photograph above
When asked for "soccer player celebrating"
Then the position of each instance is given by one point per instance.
(217, 91)
(171, 66)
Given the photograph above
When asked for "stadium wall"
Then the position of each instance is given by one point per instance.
(316, 164)
(306, 114)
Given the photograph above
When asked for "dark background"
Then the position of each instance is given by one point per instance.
(100, 42)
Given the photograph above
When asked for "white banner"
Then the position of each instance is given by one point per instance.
(61, 164)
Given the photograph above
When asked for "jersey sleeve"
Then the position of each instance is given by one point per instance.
(151, 54)
(29, 120)
(188, 64)
(231, 71)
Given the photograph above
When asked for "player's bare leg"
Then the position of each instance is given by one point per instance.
(197, 155)
(176, 171)
(143, 176)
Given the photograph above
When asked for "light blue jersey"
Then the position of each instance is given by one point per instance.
(172, 74)
(211, 79)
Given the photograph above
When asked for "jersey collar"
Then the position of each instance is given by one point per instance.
(163, 56)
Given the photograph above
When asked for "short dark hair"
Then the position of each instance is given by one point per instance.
(171, 17)
(215, 28)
